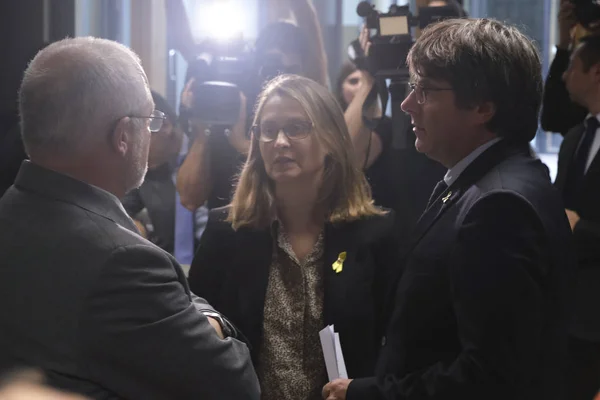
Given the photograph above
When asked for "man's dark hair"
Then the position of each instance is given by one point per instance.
(589, 52)
(484, 60)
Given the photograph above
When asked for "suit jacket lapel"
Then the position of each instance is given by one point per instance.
(338, 239)
(475, 171)
(432, 214)
(255, 255)
(570, 144)
(593, 172)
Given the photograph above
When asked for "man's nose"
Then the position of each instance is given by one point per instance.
(410, 104)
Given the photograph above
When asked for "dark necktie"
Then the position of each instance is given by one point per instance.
(437, 192)
(591, 126)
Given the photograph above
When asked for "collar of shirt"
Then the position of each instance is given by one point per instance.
(595, 148)
(454, 172)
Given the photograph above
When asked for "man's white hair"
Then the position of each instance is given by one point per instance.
(77, 89)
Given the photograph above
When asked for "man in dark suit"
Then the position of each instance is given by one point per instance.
(578, 180)
(480, 308)
(100, 310)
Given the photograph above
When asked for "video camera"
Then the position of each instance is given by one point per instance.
(587, 12)
(387, 56)
(221, 71)
(393, 39)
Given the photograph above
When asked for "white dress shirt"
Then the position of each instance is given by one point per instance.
(595, 145)
(454, 172)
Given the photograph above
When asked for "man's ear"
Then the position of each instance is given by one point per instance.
(120, 137)
(595, 71)
(484, 112)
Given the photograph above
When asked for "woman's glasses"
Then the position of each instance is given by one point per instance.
(296, 130)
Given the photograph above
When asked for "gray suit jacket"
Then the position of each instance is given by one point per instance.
(102, 311)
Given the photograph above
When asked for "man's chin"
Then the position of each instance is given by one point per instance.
(138, 181)
(421, 146)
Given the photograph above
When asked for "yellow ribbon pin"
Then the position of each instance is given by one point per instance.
(338, 264)
(445, 198)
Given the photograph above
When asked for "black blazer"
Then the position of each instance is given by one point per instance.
(586, 321)
(480, 311)
(99, 309)
(231, 270)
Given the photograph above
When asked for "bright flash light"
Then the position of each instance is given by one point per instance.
(220, 19)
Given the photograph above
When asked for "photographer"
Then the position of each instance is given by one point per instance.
(401, 178)
(213, 160)
(559, 113)
(152, 205)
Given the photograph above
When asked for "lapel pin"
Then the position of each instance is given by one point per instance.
(338, 264)
(446, 197)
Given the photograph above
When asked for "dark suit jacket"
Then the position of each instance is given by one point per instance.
(231, 270)
(586, 321)
(102, 311)
(480, 311)
(12, 154)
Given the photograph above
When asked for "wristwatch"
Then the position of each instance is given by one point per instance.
(226, 327)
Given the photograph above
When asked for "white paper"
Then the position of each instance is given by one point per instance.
(341, 365)
(332, 352)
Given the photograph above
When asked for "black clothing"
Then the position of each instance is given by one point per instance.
(12, 154)
(157, 196)
(480, 309)
(583, 197)
(231, 270)
(402, 179)
(225, 164)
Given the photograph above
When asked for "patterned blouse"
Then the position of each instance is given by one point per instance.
(291, 364)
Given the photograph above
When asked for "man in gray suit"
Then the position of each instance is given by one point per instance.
(100, 310)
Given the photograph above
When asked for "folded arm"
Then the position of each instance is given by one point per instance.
(146, 338)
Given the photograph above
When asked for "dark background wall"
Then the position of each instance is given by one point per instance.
(25, 25)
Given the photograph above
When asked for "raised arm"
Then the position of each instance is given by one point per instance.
(307, 20)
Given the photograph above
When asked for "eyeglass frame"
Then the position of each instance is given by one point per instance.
(413, 87)
(254, 128)
(161, 116)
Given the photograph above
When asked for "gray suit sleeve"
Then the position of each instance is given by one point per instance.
(201, 304)
(144, 337)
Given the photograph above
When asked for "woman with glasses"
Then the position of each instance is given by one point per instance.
(301, 246)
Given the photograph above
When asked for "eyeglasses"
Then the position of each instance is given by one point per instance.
(157, 119)
(293, 131)
(421, 91)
